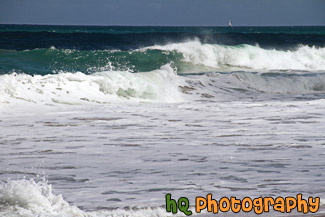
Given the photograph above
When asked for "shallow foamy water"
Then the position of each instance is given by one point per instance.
(129, 155)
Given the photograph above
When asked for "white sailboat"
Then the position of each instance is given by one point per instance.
(229, 23)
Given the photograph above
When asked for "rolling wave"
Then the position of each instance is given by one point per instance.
(52, 60)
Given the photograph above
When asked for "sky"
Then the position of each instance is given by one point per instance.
(164, 12)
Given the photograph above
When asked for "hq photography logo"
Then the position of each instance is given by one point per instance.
(258, 205)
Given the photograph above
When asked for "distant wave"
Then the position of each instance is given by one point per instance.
(247, 57)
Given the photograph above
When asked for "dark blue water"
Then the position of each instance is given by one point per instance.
(21, 37)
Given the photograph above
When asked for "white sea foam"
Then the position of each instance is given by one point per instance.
(29, 198)
(247, 57)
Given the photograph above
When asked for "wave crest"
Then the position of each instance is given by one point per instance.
(188, 57)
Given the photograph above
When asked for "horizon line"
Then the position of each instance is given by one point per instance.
(130, 25)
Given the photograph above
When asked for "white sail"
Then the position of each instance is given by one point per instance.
(230, 24)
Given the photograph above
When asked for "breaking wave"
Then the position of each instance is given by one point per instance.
(102, 87)
(247, 57)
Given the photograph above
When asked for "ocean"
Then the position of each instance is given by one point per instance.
(107, 120)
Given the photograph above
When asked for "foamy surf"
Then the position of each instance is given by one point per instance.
(103, 87)
(29, 198)
(158, 86)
